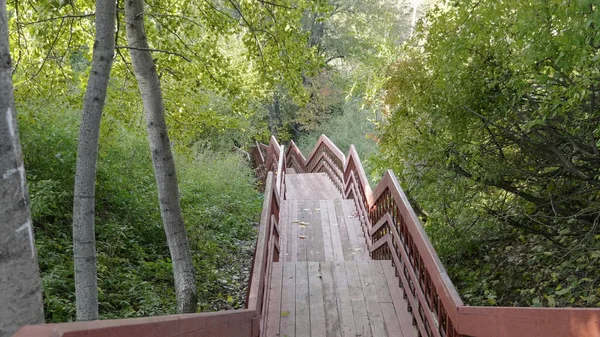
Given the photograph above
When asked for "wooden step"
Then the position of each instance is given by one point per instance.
(358, 298)
(321, 230)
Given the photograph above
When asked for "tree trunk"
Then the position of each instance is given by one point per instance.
(275, 114)
(162, 157)
(20, 285)
(84, 240)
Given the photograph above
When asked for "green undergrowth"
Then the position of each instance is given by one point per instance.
(351, 126)
(220, 204)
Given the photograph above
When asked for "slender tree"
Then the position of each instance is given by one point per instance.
(20, 285)
(162, 157)
(84, 241)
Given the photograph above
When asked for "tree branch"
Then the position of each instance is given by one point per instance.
(156, 51)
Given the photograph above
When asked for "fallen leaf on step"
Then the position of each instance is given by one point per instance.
(302, 223)
(302, 236)
(302, 226)
(285, 313)
(317, 209)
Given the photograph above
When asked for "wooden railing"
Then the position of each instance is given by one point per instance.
(267, 251)
(233, 323)
(325, 157)
(295, 159)
(394, 232)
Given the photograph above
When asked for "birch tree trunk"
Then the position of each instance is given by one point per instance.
(162, 157)
(84, 239)
(20, 285)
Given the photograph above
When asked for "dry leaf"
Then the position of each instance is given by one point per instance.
(303, 237)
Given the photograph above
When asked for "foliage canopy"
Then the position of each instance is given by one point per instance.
(495, 133)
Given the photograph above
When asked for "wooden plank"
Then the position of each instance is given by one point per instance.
(400, 304)
(309, 231)
(392, 325)
(338, 252)
(284, 226)
(343, 300)
(294, 237)
(355, 232)
(287, 325)
(370, 295)
(274, 313)
(302, 236)
(317, 306)
(347, 247)
(332, 317)
(287, 254)
(318, 232)
(359, 307)
(381, 286)
(302, 300)
(315, 187)
(332, 191)
(315, 233)
(326, 228)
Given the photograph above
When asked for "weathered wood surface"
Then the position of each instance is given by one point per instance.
(233, 323)
(337, 299)
(321, 230)
(311, 186)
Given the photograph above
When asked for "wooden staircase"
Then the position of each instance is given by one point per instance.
(335, 258)
(326, 283)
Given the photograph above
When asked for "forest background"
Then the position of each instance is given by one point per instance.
(486, 110)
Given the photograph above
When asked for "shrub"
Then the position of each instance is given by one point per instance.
(219, 202)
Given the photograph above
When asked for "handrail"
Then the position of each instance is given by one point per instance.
(434, 295)
(325, 157)
(281, 171)
(295, 158)
(266, 252)
(267, 243)
(232, 323)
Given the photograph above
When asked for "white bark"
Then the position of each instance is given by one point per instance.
(162, 157)
(20, 285)
(84, 240)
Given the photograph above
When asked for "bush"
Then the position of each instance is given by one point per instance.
(352, 126)
(219, 202)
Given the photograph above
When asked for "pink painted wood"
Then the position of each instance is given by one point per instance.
(232, 323)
